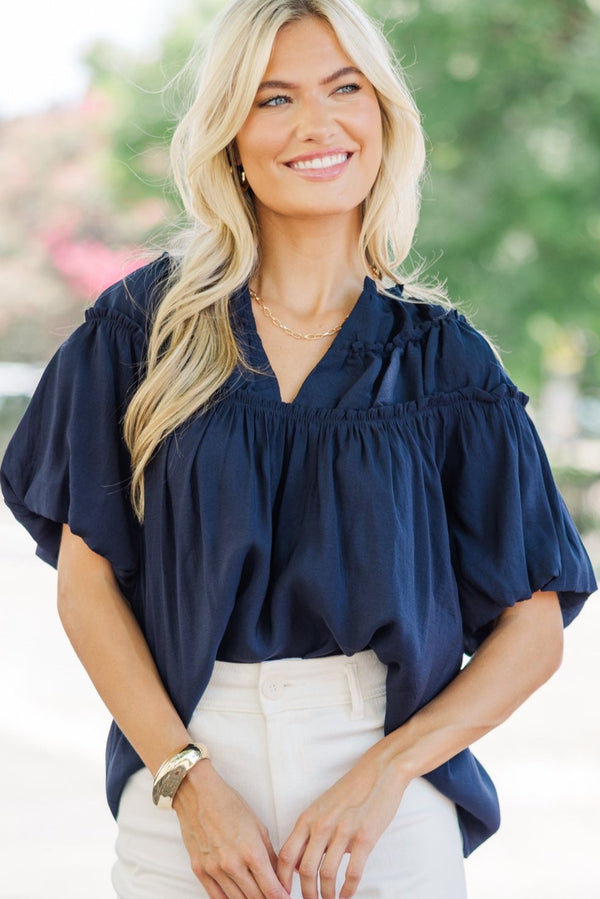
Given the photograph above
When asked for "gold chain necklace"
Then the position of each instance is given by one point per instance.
(297, 335)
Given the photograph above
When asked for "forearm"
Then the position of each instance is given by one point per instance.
(219, 830)
(521, 653)
(114, 652)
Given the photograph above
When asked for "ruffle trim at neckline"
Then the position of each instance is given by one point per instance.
(375, 414)
(410, 334)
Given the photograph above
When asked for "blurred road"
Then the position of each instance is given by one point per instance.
(56, 833)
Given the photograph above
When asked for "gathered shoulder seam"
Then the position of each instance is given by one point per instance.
(411, 335)
(114, 318)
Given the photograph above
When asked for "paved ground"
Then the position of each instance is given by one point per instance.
(56, 833)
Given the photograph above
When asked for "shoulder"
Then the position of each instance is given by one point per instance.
(415, 317)
(131, 301)
(468, 357)
(452, 353)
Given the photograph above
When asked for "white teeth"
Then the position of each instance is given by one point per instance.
(320, 162)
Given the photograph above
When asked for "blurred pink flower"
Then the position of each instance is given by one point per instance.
(88, 265)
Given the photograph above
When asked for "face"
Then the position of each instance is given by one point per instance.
(311, 145)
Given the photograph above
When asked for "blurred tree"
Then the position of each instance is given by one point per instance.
(147, 97)
(509, 95)
(510, 215)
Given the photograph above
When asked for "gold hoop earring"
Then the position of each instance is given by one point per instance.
(243, 180)
(239, 174)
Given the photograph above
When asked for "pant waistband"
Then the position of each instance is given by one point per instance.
(296, 683)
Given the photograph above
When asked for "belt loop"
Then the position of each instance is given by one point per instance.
(358, 706)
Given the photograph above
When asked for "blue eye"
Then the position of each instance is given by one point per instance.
(275, 101)
(348, 89)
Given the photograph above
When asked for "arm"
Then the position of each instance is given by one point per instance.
(231, 846)
(521, 653)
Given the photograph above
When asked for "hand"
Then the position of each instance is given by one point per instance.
(229, 848)
(349, 818)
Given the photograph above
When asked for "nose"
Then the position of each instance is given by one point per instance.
(315, 120)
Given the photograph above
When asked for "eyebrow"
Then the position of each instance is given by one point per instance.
(287, 85)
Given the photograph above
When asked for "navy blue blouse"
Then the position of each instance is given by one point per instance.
(400, 502)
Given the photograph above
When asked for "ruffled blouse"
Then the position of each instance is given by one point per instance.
(399, 503)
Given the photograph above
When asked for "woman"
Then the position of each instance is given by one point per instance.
(283, 499)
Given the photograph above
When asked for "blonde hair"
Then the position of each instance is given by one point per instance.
(192, 349)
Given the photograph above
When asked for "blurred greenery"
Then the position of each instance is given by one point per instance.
(508, 92)
(148, 98)
(509, 95)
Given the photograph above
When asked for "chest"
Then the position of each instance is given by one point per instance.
(291, 360)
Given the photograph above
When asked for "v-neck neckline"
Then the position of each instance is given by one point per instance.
(339, 343)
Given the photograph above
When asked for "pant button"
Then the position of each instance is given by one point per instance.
(272, 689)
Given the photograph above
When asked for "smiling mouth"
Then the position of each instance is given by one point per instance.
(319, 162)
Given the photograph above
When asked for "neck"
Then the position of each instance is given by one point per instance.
(310, 267)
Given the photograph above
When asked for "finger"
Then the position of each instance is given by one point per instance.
(219, 885)
(270, 850)
(289, 857)
(330, 866)
(250, 878)
(245, 888)
(211, 886)
(269, 884)
(308, 869)
(354, 872)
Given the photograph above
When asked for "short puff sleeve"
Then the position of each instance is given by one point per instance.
(67, 461)
(510, 532)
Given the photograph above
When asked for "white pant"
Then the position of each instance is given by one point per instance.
(281, 733)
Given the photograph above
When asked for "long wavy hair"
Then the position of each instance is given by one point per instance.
(192, 349)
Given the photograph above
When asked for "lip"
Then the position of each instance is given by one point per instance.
(321, 173)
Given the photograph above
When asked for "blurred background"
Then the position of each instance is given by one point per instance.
(510, 220)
